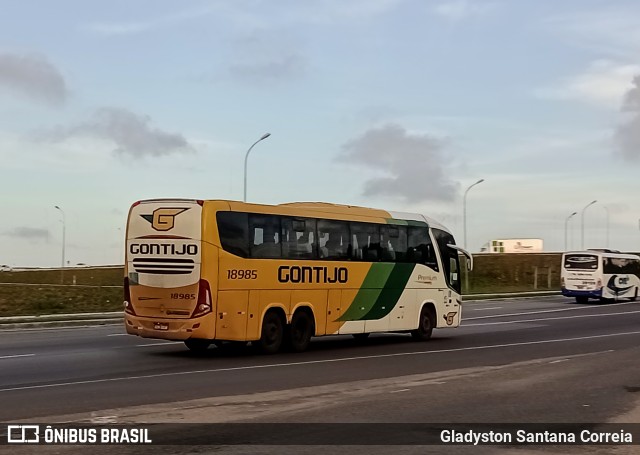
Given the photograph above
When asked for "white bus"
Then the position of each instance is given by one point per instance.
(600, 274)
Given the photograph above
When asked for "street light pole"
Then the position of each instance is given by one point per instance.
(64, 228)
(566, 223)
(606, 209)
(464, 210)
(246, 157)
(582, 228)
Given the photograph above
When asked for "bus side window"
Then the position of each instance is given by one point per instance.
(299, 238)
(420, 249)
(233, 228)
(393, 241)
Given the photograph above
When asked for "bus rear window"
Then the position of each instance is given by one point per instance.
(581, 262)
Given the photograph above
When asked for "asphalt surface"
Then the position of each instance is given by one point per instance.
(543, 359)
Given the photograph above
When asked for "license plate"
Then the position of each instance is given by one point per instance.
(161, 326)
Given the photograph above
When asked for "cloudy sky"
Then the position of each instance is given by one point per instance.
(396, 104)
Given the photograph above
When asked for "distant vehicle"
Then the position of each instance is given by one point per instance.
(600, 274)
(217, 271)
(513, 246)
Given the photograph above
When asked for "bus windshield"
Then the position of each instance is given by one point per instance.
(581, 262)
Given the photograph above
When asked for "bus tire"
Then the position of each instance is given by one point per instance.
(272, 333)
(635, 295)
(360, 336)
(582, 299)
(426, 323)
(300, 331)
(197, 344)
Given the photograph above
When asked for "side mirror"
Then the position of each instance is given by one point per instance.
(466, 254)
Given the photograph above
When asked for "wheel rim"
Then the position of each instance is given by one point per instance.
(426, 322)
(271, 333)
(299, 331)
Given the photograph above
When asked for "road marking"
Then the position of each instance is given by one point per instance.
(164, 343)
(313, 362)
(549, 311)
(46, 329)
(401, 390)
(15, 356)
(117, 334)
(490, 308)
(560, 361)
(600, 315)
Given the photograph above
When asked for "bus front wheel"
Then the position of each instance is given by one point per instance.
(272, 333)
(582, 299)
(425, 325)
(197, 345)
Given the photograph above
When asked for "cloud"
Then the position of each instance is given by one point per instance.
(603, 84)
(28, 233)
(34, 77)
(627, 135)
(456, 10)
(131, 133)
(277, 69)
(611, 31)
(415, 164)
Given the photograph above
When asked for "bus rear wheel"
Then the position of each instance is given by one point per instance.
(425, 325)
(272, 333)
(300, 331)
(197, 344)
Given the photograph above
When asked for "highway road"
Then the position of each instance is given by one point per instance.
(543, 359)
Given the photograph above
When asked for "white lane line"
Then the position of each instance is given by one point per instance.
(490, 308)
(520, 321)
(401, 390)
(560, 361)
(164, 343)
(15, 356)
(551, 311)
(48, 329)
(117, 334)
(314, 362)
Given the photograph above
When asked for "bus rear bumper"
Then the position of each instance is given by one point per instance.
(169, 329)
(592, 293)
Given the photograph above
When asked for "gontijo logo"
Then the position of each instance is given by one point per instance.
(162, 219)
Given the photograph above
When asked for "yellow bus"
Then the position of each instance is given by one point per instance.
(276, 275)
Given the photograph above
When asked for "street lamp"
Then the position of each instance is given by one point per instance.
(566, 223)
(64, 227)
(464, 210)
(606, 209)
(246, 157)
(586, 207)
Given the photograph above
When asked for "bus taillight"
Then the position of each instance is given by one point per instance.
(128, 308)
(599, 284)
(562, 281)
(204, 300)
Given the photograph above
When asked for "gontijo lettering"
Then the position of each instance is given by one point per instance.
(306, 274)
(164, 248)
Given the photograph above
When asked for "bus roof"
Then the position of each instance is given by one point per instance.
(322, 207)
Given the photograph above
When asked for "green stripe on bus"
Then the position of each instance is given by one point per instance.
(393, 289)
(369, 292)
